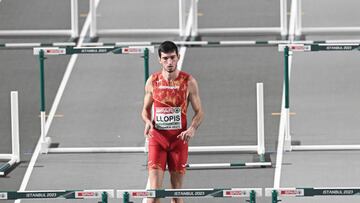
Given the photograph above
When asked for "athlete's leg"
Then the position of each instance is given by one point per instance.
(156, 177)
(177, 159)
(176, 179)
(156, 164)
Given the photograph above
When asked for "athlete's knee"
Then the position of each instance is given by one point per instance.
(177, 200)
(156, 178)
(176, 180)
(153, 200)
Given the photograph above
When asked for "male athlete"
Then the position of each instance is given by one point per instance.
(170, 91)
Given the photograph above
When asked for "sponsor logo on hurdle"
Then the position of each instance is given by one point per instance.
(3, 195)
(142, 194)
(137, 49)
(291, 192)
(295, 47)
(87, 194)
(236, 193)
(50, 51)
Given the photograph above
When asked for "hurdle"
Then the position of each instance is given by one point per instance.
(195, 31)
(299, 29)
(310, 192)
(259, 148)
(251, 193)
(73, 32)
(59, 194)
(69, 50)
(14, 157)
(95, 32)
(282, 29)
(289, 49)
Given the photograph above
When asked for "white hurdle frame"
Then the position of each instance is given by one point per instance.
(73, 32)
(15, 154)
(259, 148)
(95, 32)
(282, 30)
(195, 31)
(319, 30)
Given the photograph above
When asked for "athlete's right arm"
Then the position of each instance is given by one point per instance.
(146, 111)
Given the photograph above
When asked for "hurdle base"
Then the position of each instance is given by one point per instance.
(45, 145)
(289, 144)
(228, 165)
(9, 166)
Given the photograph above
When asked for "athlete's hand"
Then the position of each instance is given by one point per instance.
(148, 126)
(187, 134)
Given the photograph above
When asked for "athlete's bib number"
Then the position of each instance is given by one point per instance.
(168, 118)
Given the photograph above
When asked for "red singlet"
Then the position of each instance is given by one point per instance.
(170, 106)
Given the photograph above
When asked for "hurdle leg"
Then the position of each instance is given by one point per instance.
(274, 197)
(15, 125)
(194, 29)
(74, 19)
(126, 197)
(260, 121)
(287, 62)
(45, 141)
(93, 23)
(252, 197)
(15, 153)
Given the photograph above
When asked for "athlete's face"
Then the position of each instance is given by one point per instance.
(169, 61)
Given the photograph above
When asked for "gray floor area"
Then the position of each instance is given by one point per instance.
(103, 98)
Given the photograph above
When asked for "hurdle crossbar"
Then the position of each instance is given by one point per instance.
(57, 194)
(191, 193)
(298, 47)
(148, 43)
(15, 154)
(311, 192)
(69, 50)
(225, 43)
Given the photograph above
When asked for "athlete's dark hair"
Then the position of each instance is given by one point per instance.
(167, 47)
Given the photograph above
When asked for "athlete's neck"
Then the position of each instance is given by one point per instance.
(170, 76)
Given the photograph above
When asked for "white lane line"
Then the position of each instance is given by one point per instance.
(281, 139)
(179, 65)
(58, 96)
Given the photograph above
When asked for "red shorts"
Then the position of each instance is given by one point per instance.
(167, 150)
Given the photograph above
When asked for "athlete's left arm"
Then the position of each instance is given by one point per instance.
(195, 101)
